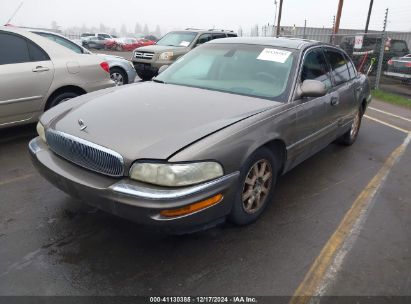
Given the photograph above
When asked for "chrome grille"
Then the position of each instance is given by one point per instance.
(85, 154)
(143, 55)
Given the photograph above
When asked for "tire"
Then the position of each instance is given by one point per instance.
(119, 76)
(246, 209)
(348, 138)
(145, 75)
(62, 97)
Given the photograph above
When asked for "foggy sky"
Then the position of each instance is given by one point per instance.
(227, 14)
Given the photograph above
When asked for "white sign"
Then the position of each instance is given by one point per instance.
(358, 42)
(184, 43)
(274, 55)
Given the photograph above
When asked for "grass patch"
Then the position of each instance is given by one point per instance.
(391, 98)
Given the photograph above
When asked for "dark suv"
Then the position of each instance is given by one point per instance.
(148, 59)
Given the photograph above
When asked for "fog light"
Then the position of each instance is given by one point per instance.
(193, 207)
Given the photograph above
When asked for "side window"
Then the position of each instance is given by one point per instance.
(351, 68)
(204, 38)
(64, 42)
(36, 53)
(315, 68)
(338, 65)
(70, 45)
(13, 49)
(218, 36)
(231, 35)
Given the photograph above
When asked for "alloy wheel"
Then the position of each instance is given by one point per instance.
(257, 186)
(117, 78)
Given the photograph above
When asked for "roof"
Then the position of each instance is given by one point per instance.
(292, 43)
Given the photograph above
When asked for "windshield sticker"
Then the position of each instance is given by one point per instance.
(184, 43)
(274, 55)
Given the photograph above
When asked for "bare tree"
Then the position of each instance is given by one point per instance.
(123, 30)
(103, 28)
(240, 31)
(146, 30)
(157, 31)
(137, 28)
(54, 25)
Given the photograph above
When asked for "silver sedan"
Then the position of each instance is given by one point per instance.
(121, 70)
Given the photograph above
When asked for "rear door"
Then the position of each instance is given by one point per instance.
(26, 73)
(342, 107)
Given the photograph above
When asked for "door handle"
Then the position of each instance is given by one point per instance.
(40, 69)
(334, 101)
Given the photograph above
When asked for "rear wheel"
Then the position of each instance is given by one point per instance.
(351, 135)
(61, 97)
(256, 188)
(119, 76)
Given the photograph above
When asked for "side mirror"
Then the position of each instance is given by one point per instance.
(162, 69)
(312, 88)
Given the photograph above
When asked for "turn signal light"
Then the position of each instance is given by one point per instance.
(193, 207)
(105, 67)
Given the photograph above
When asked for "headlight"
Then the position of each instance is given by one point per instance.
(173, 175)
(40, 131)
(166, 56)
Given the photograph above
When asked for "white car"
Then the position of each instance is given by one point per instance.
(37, 74)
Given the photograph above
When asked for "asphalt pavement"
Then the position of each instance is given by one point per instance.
(51, 244)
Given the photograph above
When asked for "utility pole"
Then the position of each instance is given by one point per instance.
(275, 16)
(279, 17)
(368, 16)
(332, 36)
(382, 48)
(337, 20)
(305, 26)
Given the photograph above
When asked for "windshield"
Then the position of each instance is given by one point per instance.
(252, 70)
(182, 39)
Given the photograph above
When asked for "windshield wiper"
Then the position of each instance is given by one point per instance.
(157, 80)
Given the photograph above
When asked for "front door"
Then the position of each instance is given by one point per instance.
(314, 129)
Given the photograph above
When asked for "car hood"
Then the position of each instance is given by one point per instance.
(151, 120)
(154, 48)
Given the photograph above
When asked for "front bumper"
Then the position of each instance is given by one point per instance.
(135, 201)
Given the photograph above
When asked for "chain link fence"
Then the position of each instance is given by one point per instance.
(380, 55)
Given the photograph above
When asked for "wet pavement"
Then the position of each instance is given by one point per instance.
(51, 244)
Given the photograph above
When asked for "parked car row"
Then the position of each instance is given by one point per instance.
(109, 42)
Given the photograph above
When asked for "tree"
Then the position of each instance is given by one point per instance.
(240, 32)
(123, 30)
(157, 32)
(137, 28)
(103, 28)
(146, 30)
(54, 25)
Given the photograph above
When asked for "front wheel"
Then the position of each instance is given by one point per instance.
(351, 135)
(256, 187)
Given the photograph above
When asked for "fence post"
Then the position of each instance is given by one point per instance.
(382, 48)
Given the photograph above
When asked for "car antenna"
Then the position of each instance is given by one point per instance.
(14, 14)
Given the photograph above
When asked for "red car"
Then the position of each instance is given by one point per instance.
(129, 44)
